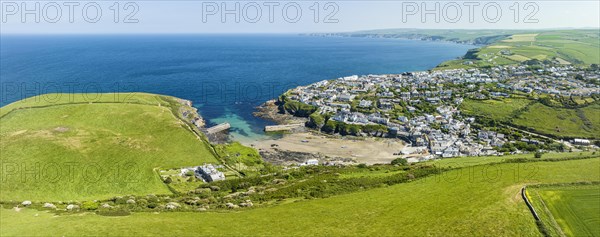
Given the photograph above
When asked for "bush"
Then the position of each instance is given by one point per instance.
(316, 120)
(120, 200)
(538, 155)
(115, 212)
(399, 161)
(329, 127)
(299, 109)
(152, 198)
(142, 202)
(362, 165)
(89, 205)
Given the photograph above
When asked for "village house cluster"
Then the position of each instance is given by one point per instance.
(206, 172)
(423, 107)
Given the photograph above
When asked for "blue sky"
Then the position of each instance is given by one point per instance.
(191, 16)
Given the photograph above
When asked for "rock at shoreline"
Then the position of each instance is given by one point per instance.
(282, 157)
(270, 111)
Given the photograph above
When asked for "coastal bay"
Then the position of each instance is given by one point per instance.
(225, 76)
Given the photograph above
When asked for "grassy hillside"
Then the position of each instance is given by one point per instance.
(475, 201)
(79, 98)
(581, 122)
(482, 160)
(525, 113)
(71, 149)
(503, 47)
(560, 46)
(495, 109)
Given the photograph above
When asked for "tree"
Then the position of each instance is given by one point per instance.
(329, 127)
(399, 161)
(316, 120)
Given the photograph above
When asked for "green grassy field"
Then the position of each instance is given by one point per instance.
(474, 201)
(564, 46)
(562, 121)
(574, 208)
(482, 160)
(71, 149)
(496, 109)
(580, 122)
(79, 98)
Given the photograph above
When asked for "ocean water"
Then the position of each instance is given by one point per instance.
(225, 76)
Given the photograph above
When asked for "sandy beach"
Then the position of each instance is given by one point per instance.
(367, 150)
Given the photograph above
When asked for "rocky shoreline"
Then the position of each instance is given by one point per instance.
(286, 158)
(270, 111)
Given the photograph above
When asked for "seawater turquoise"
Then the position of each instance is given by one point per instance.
(225, 76)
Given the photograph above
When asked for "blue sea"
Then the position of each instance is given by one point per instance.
(225, 76)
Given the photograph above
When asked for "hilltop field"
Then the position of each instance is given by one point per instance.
(559, 46)
(568, 209)
(503, 47)
(62, 147)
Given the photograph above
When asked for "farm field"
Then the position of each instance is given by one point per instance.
(87, 151)
(495, 109)
(521, 38)
(564, 46)
(575, 208)
(486, 197)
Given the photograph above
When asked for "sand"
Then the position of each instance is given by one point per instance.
(367, 150)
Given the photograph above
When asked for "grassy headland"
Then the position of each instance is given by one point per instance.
(502, 47)
(76, 148)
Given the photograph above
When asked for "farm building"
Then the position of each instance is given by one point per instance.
(209, 173)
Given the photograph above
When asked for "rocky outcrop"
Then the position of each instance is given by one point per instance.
(283, 157)
(172, 206)
(270, 111)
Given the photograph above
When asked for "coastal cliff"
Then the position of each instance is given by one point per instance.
(273, 110)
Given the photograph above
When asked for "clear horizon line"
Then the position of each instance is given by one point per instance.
(286, 33)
